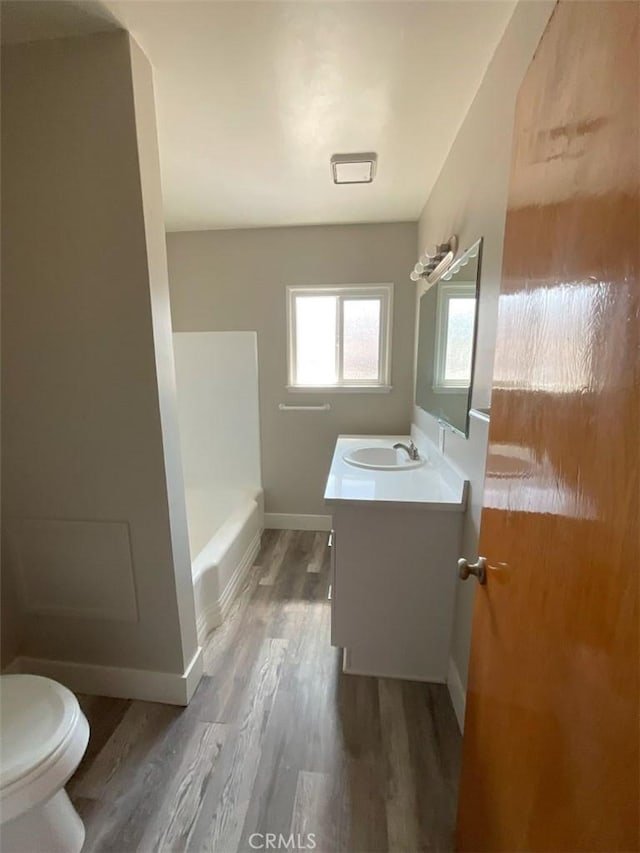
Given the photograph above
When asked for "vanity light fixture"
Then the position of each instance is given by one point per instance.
(353, 168)
(435, 261)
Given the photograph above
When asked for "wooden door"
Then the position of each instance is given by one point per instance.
(550, 757)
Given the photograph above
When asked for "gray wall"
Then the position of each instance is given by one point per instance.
(87, 363)
(236, 280)
(469, 199)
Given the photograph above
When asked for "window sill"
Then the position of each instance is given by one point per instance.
(339, 389)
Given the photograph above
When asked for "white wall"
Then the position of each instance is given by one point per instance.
(156, 252)
(469, 199)
(217, 377)
(93, 508)
(232, 280)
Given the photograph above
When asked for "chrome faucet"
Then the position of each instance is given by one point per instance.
(412, 450)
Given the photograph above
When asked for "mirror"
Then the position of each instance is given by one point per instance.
(446, 342)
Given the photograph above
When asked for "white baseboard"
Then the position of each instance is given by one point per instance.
(214, 614)
(293, 521)
(150, 686)
(457, 693)
(192, 676)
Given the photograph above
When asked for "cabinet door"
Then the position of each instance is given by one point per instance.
(332, 587)
(393, 586)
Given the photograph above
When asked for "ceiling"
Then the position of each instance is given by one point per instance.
(253, 98)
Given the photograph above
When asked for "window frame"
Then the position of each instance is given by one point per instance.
(446, 292)
(381, 291)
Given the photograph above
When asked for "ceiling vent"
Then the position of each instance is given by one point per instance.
(353, 168)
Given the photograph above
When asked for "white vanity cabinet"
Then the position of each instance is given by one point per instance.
(395, 547)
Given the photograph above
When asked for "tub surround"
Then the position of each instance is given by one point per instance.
(217, 379)
(395, 545)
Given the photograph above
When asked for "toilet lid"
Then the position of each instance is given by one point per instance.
(36, 715)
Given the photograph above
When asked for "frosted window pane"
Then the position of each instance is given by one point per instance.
(361, 345)
(457, 364)
(316, 340)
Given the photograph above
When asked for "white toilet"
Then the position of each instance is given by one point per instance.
(43, 736)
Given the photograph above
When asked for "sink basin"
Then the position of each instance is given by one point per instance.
(382, 459)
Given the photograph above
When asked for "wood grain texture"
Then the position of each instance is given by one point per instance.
(230, 793)
(319, 554)
(313, 810)
(171, 829)
(276, 558)
(275, 740)
(551, 752)
(401, 787)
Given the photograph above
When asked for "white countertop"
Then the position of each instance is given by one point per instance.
(424, 486)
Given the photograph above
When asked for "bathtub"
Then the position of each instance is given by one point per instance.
(224, 538)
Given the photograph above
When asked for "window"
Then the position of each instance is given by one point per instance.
(339, 337)
(455, 321)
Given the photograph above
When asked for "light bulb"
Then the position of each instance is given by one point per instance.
(414, 276)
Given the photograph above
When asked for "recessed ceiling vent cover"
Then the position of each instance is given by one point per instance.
(353, 168)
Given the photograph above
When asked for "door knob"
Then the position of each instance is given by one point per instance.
(478, 569)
